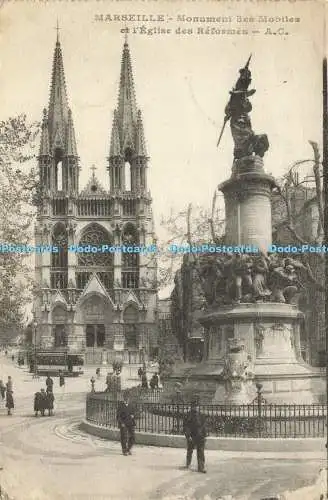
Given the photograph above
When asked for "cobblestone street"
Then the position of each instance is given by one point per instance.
(50, 458)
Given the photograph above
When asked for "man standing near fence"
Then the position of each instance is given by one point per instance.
(194, 428)
(126, 424)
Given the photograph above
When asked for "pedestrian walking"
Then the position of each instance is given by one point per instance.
(49, 383)
(37, 403)
(126, 424)
(62, 384)
(9, 384)
(194, 428)
(98, 373)
(43, 402)
(50, 402)
(9, 401)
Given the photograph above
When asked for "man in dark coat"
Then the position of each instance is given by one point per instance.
(194, 428)
(126, 423)
(43, 402)
(49, 383)
(9, 401)
(50, 402)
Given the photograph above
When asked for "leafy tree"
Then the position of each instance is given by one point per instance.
(17, 188)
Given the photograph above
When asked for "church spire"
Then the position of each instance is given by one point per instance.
(127, 156)
(58, 102)
(127, 107)
(58, 159)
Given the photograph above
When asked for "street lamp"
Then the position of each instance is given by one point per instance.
(35, 324)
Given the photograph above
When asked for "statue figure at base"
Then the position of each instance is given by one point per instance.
(238, 374)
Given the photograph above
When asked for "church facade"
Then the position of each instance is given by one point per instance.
(97, 294)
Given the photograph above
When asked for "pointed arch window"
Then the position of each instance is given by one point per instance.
(130, 317)
(130, 260)
(59, 260)
(94, 238)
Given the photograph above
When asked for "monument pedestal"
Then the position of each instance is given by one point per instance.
(271, 335)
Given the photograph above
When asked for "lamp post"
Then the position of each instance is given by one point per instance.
(35, 324)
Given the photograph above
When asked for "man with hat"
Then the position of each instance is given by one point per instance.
(194, 428)
(126, 423)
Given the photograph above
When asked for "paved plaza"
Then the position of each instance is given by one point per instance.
(50, 458)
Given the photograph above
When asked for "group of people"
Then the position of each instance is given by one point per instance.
(7, 392)
(194, 427)
(154, 381)
(44, 400)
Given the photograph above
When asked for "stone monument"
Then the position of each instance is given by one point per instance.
(251, 297)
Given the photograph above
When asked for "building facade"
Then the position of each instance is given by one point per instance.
(97, 300)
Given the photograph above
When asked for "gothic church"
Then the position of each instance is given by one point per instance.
(101, 304)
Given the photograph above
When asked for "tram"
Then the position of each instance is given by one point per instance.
(47, 361)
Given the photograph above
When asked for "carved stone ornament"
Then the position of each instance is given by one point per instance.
(238, 367)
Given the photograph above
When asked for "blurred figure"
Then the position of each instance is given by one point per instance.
(9, 401)
(98, 373)
(2, 390)
(49, 383)
(43, 402)
(62, 384)
(144, 381)
(37, 403)
(9, 384)
(50, 401)
(154, 381)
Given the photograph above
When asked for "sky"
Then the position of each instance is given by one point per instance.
(182, 83)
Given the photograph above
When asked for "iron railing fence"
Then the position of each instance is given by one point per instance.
(258, 419)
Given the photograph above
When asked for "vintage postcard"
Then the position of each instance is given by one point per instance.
(162, 250)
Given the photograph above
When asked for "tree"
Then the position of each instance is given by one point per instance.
(193, 225)
(290, 207)
(289, 203)
(18, 184)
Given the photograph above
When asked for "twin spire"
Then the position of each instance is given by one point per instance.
(127, 137)
(57, 126)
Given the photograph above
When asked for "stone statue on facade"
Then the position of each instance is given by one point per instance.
(238, 373)
(246, 142)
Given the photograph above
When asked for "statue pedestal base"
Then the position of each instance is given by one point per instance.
(271, 335)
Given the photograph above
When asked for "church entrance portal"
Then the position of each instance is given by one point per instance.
(95, 335)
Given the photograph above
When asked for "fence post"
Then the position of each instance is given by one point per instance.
(259, 407)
